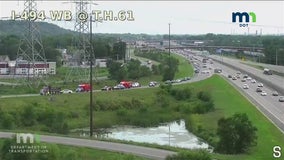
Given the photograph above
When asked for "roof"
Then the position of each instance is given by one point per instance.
(4, 58)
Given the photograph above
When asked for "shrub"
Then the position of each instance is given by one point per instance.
(190, 155)
(237, 134)
(204, 96)
(122, 112)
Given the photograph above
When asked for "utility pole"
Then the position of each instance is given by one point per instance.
(276, 57)
(169, 39)
(170, 49)
(91, 78)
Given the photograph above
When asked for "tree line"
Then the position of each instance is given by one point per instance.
(104, 47)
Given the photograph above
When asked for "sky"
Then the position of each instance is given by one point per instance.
(153, 17)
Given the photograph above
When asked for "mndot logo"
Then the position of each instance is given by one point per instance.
(27, 138)
(249, 17)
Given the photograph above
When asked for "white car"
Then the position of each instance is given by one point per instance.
(66, 91)
(245, 86)
(253, 81)
(259, 85)
(263, 93)
(136, 84)
(249, 78)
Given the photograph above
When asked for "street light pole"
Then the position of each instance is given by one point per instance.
(276, 58)
(91, 78)
(169, 39)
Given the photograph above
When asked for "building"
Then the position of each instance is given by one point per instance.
(27, 68)
(4, 64)
(4, 68)
(38, 68)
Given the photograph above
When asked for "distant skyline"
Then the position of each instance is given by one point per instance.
(185, 17)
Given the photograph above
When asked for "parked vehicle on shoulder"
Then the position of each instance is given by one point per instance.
(126, 84)
(153, 83)
(84, 87)
(119, 87)
(64, 91)
(136, 84)
(106, 88)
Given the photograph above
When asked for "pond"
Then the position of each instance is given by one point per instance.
(172, 134)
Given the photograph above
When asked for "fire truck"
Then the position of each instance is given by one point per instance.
(84, 87)
(126, 84)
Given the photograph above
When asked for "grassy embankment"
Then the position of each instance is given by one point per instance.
(229, 101)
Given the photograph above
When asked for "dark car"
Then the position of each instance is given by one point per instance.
(281, 99)
(106, 88)
(274, 93)
(229, 76)
(258, 90)
(118, 87)
(153, 84)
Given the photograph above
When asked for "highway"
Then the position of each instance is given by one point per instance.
(272, 80)
(268, 105)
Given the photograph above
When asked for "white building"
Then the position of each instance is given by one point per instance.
(26, 68)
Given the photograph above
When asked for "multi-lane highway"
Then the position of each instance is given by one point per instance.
(268, 105)
(274, 81)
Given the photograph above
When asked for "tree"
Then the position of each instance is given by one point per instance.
(133, 68)
(117, 70)
(9, 46)
(237, 134)
(170, 67)
(119, 50)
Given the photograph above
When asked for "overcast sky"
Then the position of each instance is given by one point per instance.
(186, 17)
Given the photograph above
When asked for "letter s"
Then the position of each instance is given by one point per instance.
(276, 151)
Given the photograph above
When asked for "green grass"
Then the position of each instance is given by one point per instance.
(185, 69)
(229, 101)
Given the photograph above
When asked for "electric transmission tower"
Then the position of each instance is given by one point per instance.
(81, 44)
(30, 55)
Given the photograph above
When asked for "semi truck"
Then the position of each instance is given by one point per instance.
(267, 71)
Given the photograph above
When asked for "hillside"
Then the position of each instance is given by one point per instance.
(9, 27)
